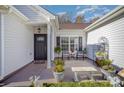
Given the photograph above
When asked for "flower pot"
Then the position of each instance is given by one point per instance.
(99, 57)
(59, 76)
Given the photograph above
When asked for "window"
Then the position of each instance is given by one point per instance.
(73, 43)
(64, 43)
(70, 43)
(58, 41)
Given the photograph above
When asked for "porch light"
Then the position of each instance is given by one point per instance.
(39, 29)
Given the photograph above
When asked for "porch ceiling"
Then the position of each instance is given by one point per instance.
(34, 16)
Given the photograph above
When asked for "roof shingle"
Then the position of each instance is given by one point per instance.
(73, 25)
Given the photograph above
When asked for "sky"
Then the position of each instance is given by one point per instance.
(88, 11)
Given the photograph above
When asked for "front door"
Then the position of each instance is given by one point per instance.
(40, 47)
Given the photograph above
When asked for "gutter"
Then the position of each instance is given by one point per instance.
(119, 10)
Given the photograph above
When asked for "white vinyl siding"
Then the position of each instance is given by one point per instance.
(18, 43)
(114, 32)
(0, 46)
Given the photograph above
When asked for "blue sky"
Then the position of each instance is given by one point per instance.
(88, 11)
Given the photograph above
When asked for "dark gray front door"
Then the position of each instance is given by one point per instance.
(40, 46)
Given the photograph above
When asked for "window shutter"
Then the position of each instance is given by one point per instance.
(80, 43)
(58, 41)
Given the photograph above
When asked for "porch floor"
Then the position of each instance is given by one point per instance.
(44, 73)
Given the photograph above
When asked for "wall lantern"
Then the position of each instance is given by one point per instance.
(39, 30)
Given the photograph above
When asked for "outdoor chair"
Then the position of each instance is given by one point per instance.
(80, 54)
(65, 54)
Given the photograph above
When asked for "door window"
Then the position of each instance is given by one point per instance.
(40, 39)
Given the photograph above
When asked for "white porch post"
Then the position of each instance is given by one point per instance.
(2, 46)
(48, 46)
(52, 44)
(85, 40)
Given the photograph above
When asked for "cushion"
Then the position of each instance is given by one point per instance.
(121, 73)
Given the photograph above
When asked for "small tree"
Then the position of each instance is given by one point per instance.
(58, 50)
(80, 19)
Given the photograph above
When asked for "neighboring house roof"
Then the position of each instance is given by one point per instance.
(108, 17)
(73, 25)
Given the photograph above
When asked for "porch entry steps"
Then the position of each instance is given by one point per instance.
(40, 61)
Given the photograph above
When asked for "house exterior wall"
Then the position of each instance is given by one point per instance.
(43, 30)
(0, 45)
(69, 33)
(18, 43)
(114, 32)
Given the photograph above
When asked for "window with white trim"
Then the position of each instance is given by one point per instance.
(71, 43)
(64, 43)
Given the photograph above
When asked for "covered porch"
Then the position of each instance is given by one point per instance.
(44, 24)
(46, 75)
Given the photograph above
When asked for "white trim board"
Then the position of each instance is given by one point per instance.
(2, 46)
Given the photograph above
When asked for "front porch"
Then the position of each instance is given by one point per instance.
(47, 74)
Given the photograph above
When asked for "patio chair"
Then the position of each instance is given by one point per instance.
(65, 54)
(80, 54)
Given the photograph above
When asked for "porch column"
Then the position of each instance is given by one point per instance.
(1, 46)
(85, 40)
(52, 44)
(48, 46)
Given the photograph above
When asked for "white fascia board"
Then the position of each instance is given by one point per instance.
(36, 23)
(105, 18)
(18, 13)
(45, 12)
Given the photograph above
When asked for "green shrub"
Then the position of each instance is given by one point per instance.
(57, 50)
(59, 62)
(99, 53)
(78, 84)
(58, 68)
(109, 68)
(104, 62)
(107, 62)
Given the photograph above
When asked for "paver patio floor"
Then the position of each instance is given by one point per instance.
(44, 73)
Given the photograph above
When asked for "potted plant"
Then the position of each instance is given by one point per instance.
(100, 55)
(58, 51)
(85, 52)
(59, 70)
(104, 62)
(59, 62)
